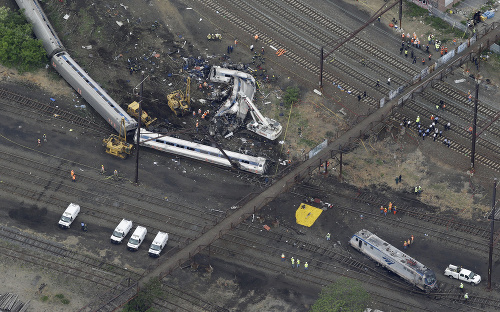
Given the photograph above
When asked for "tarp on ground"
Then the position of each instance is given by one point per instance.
(306, 215)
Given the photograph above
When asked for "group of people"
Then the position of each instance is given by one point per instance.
(390, 208)
(407, 243)
(432, 130)
(295, 262)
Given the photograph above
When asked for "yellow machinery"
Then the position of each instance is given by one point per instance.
(179, 102)
(117, 144)
(133, 109)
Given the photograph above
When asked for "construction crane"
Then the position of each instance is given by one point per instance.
(264, 126)
(133, 109)
(179, 102)
(117, 145)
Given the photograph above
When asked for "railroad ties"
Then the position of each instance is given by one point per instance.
(9, 303)
(449, 223)
(53, 111)
(178, 296)
(113, 298)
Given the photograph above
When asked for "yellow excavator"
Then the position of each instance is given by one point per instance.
(179, 102)
(133, 109)
(117, 145)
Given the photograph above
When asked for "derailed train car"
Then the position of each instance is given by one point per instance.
(72, 72)
(394, 260)
(41, 26)
(92, 92)
(257, 165)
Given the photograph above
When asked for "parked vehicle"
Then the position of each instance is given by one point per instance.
(453, 271)
(69, 216)
(158, 243)
(137, 238)
(121, 231)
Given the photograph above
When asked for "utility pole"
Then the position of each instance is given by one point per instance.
(474, 124)
(491, 232)
(321, 70)
(138, 133)
(400, 14)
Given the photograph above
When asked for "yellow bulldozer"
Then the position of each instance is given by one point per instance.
(117, 145)
(179, 102)
(133, 109)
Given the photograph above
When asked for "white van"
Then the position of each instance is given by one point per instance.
(69, 216)
(158, 243)
(137, 238)
(121, 231)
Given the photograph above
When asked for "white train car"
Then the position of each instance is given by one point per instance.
(394, 260)
(213, 155)
(41, 26)
(92, 92)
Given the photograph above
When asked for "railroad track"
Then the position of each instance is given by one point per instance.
(314, 21)
(319, 273)
(150, 208)
(25, 103)
(180, 300)
(98, 277)
(484, 157)
(27, 241)
(375, 201)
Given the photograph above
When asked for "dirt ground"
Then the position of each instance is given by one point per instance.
(374, 163)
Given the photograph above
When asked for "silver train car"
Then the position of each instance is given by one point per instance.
(72, 72)
(394, 260)
(213, 155)
(41, 26)
(91, 92)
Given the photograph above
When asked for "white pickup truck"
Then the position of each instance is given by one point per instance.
(453, 271)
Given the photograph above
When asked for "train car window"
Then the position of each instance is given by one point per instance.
(360, 243)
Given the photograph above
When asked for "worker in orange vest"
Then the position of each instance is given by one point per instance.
(72, 173)
(73, 178)
(385, 211)
(256, 37)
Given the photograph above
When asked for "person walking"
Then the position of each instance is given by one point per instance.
(461, 287)
(466, 297)
(102, 169)
(417, 121)
(405, 245)
(359, 97)
(414, 60)
(385, 211)
(389, 81)
(39, 143)
(408, 243)
(115, 173)
(394, 210)
(412, 238)
(381, 209)
(378, 83)
(400, 178)
(293, 262)
(282, 257)
(73, 178)
(298, 263)
(328, 236)
(44, 137)
(306, 266)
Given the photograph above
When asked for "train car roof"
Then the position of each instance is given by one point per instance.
(395, 253)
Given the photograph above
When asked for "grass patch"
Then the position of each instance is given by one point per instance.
(59, 296)
(309, 143)
(65, 301)
(44, 298)
(87, 23)
(413, 10)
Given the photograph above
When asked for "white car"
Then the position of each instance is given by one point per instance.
(453, 271)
